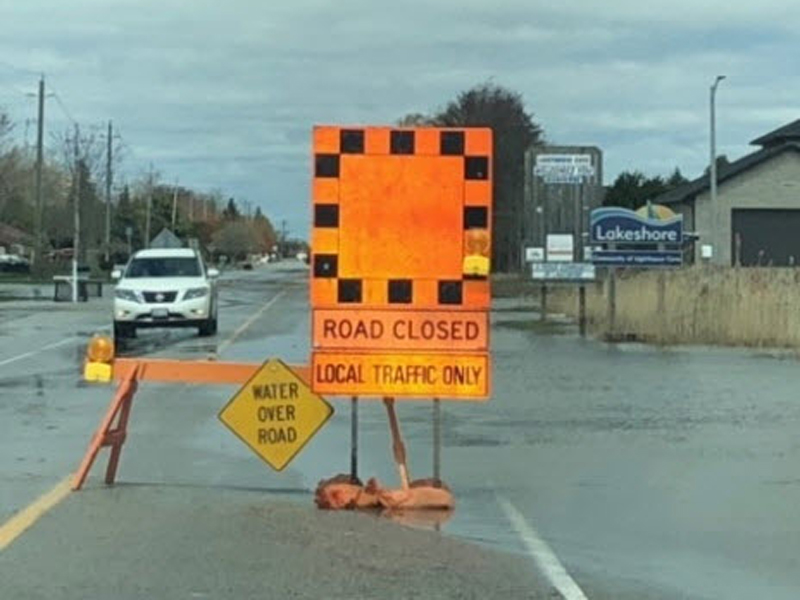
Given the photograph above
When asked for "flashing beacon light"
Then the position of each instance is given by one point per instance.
(99, 359)
(476, 254)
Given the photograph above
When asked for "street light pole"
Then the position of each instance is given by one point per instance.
(76, 238)
(109, 174)
(38, 251)
(713, 150)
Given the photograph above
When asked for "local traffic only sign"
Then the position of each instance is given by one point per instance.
(402, 353)
(401, 246)
(402, 375)
(275, 413)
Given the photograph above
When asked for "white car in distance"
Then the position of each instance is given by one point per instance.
(165, 288)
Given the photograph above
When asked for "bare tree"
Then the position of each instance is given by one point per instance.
(6, 127)
(91, 150)
(416, 120)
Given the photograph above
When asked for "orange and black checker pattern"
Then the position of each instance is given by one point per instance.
(391, 212)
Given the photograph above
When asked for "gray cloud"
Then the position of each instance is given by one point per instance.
(224, 95)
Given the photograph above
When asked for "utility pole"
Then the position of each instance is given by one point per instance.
(713, 144)
(77, 216)
(37, 257)
(283, 238)
(174, 204)
(129, 235)
(109, 151)
(149, 208)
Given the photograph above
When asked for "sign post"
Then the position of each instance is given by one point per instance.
(401, 244)
(354, 438)
(582, 310)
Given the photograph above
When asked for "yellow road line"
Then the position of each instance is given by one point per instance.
(224, 345)
(27, 517)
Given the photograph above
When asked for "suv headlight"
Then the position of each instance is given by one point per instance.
(124, 294)
(193, 293)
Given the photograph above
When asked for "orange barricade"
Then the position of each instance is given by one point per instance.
(112, 430)
(120, 409)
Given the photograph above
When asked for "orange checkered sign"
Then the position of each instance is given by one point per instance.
(401, 246)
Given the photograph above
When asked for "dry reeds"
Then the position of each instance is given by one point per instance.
(696, 305)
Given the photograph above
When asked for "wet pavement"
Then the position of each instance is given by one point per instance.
(650, 472)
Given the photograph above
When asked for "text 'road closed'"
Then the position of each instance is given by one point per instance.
(417, 375)
(453, 331)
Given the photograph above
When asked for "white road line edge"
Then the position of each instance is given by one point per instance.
(19, 357)
(542, 555)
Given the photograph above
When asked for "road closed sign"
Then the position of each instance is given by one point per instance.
(401, 255)
(275, 414)
(417, 375)
(463, 331)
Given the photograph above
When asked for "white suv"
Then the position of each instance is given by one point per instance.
(165, 288)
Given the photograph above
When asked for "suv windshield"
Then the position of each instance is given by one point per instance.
(164, 267)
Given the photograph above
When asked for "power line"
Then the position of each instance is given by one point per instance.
(18, 92)
(15, 99)
(24, 70)
(61, 105)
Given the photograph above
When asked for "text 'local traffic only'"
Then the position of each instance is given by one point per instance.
(415, 375)
(275, 413)
(401, 330)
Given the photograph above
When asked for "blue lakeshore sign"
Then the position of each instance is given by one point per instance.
(638, 258)
(614, 225)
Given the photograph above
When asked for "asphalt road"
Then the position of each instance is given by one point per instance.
(643, 472)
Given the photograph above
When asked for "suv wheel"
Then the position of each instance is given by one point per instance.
(123, 330)
(209, 327)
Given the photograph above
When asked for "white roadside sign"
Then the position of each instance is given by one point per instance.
(563, 272)
(564, 168)
(560, 247)
(534, 254)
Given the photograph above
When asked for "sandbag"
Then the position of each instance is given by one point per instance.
(344, 492)
(422, 494)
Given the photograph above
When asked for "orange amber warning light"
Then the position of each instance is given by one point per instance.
(99, 356)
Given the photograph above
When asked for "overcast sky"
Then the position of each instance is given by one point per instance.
(223, 94)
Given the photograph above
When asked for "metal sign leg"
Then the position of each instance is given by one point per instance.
(543, 303)
(354, 438)
(582, 310)
(437, 441)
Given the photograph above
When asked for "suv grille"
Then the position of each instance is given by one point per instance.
(159, 297)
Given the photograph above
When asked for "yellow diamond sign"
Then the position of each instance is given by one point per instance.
(275, 413)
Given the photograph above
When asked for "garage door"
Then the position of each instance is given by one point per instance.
(766, 237)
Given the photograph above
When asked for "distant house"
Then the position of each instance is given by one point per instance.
(14, 240)
(166, 239)
(756, 219)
